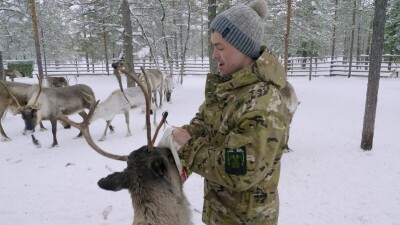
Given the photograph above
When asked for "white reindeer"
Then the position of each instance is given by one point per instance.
(156, 82)
(168, 88)
(116, 103)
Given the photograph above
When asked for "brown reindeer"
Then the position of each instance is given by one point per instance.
(151, 176)
(13, 95)
(47, 103)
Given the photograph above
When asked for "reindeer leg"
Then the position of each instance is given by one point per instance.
(155, 99)
(160, 100)
(65, 125)
(111, 127)
(54, 131)
(42, 128)
(128, 132)
(3, 134)
(103, 137)
(36, 142)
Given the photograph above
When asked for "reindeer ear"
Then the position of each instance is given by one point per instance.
(159, 166)
(113, 182)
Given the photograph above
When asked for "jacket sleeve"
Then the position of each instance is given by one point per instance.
(262, 133)
(196, 127)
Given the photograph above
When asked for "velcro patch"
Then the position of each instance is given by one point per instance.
(235, 161)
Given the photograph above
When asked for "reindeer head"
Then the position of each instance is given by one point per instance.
(146, 168)
(30, 116)
(30, 113)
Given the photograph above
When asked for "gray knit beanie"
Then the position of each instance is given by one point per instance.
(243, 26)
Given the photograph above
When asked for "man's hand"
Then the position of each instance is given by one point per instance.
(180, 135)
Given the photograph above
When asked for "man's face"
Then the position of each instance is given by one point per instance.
(229, 58)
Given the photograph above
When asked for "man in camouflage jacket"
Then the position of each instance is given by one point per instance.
(237, 138)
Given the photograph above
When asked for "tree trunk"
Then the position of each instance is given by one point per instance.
(183, 59)
(44, 51)
(127, 40)
(174, 22)
(105, 48)
(202, 36)
(212, 12)
(374, 74)
(352, 36)
(2, 76)
(167, 54)
(36, 38)
(334, 35)
(287, 34)
(345, 48)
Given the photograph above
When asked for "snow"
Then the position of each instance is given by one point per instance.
(326, 179)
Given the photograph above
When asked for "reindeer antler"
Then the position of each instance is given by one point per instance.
(12, 96)
(147, 98)
(84, 128)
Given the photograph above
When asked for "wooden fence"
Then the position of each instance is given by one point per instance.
(297, 66)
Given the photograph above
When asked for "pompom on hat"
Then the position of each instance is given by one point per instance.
(243, 26)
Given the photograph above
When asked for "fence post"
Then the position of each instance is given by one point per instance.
(309, 78)
(2, 75)
(76, 65)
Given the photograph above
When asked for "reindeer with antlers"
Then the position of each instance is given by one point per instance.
(151, 176)
(13, 95)
(47, 103)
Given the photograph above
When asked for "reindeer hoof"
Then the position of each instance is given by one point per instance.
(5, 139)
(53, 145)
(103, 138)
(288, 150)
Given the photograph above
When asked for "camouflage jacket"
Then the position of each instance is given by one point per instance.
(238, 137)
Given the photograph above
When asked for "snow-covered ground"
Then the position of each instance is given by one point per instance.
(327, 179)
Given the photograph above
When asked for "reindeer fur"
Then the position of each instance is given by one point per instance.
(155, 185)
(21, 92)
(51, 101)
(116, 103)
(156, 82)
(291, 102)
(55, 82)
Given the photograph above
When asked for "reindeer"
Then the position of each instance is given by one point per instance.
(116, 103)
(13, 95)
(291, 102)
(151, 176)
(155, 79)
(47, 103)
(156, 82)
(168, 88)
(12, 73)
(55, 82)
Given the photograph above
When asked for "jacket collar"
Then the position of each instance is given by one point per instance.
(266, 68)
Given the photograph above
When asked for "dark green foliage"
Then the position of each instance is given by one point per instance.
(392, 30)
(23, 66)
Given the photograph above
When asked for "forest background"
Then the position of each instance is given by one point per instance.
(174, 30)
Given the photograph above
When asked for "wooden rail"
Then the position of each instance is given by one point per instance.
(297, 66)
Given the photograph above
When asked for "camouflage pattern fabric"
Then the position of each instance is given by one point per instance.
(238, 137)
